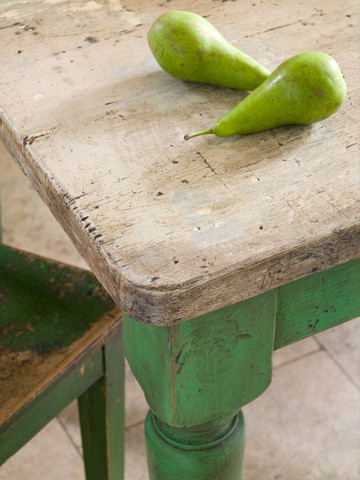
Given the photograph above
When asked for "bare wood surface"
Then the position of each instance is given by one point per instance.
(175, 229)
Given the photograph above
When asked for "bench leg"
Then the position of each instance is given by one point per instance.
(0, 217)
(101, 411)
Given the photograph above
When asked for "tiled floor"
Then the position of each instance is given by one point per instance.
(306, 426)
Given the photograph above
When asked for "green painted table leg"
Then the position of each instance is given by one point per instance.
(214, 451)
(196, 376)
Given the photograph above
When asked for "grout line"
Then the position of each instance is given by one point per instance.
(300, 357)
(336, 361)
(69, 436)
(135, 424)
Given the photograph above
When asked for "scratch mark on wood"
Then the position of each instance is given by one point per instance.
(324, 292)
(331, 203)
(10, 26)
(243, 335)
(267, 280)
(206, 162)
(30, 139)
(173, 342)
(274, 28)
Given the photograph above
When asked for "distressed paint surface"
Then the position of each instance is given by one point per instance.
(317, 302)
(101, 412)
(60, 335)
(197, 373)
(177, 229)
(215, 453)
(59, 317)
(210, 366)
(206, 368)
(26, 418)
(61, 311)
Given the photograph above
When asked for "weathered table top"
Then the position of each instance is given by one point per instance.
(174, 229)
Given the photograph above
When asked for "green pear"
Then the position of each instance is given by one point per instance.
(304, 89)
(189, 47)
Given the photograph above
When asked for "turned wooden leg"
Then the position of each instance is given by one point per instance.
(196, 376)
(212, 451)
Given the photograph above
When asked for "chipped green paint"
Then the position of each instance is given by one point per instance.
(183, 367)
(68, 290)
(197, 374)
(186, 369)
(0, 218)
(45, 305)
(101, 412)
(214, 451)
(317, 302)
(27, 422)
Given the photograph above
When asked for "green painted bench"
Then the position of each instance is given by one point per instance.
(60, 340)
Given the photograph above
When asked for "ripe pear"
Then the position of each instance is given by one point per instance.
(304, 89)
(189, 47)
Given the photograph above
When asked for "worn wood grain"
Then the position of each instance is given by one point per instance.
(175, 229)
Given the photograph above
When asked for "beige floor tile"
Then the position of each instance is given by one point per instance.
(27, 222)
(69, 419)
(135, 454)
(343, 344)
(306, 426)
(50, 455)
(294, 351)
(135, 403)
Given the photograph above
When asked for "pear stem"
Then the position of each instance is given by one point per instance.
(188, 136)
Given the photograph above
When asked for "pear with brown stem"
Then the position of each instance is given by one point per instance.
(304, 89)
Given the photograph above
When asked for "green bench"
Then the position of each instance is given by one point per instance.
(60, 340)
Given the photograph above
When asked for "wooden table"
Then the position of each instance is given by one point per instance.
(218, 251)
